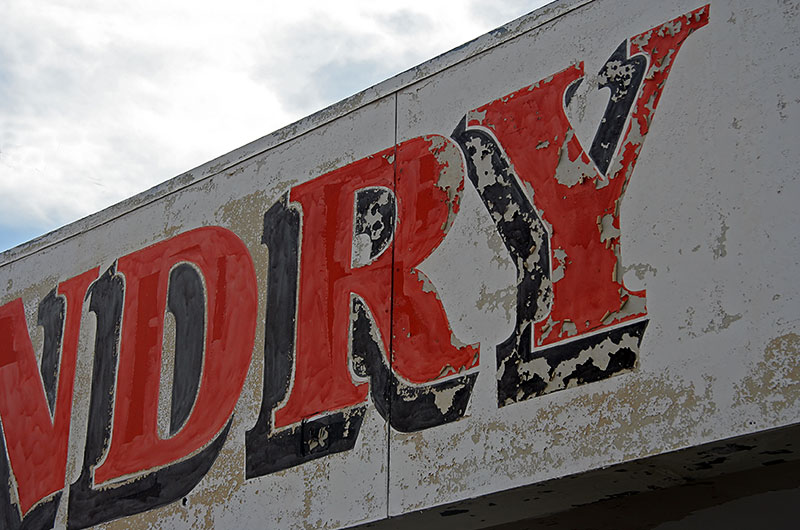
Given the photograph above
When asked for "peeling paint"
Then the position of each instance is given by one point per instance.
(584, 389)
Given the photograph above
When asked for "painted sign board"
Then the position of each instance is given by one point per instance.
(566, 245)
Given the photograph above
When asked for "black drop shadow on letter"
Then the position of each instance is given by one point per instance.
(407, 407)
(525, 237)
(527, 241)
(268, 450)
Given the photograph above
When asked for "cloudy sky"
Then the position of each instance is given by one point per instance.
(101, 100)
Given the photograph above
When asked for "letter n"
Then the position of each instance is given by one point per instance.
(36, 409)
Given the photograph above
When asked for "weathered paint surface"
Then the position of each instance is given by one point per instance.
(350, 319)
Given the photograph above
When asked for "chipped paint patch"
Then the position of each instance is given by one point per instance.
(608, 232)
(632, 305)
(560, 261)
(572, 172)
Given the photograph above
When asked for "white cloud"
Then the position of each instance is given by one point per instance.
(101, 100)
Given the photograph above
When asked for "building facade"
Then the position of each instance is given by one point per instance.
(543, 280)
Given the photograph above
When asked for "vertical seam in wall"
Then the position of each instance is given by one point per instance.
(390, 388)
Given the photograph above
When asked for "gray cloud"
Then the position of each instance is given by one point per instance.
(101, 100)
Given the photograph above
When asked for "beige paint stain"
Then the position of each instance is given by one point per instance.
(245, 217)
(646, 415)
(776, 374)
(216, 489)
(505, 299)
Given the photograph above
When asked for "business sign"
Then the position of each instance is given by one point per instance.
(331, 306)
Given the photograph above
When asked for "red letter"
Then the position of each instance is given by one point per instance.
(430, 179)
(566, 244)
(428, 183)
(578, 202)
(36, 441)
